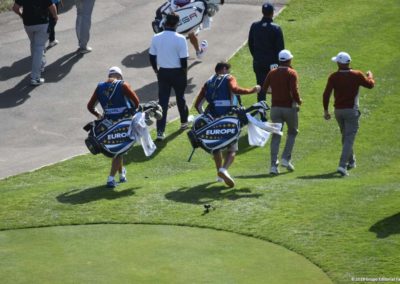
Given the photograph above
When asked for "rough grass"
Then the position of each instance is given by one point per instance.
(348, 226)
(5, 5)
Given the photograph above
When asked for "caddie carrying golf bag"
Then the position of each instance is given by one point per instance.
(216, 134)
(191, 15)
(112, 138)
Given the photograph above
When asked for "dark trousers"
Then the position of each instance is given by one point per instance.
(167, 79)
(261, 71)
(52, 24)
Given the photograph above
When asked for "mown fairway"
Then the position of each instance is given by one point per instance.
(347, 226)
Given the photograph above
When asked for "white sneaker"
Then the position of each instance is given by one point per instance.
(274, 170)
(351, 165)
(184, 126)
(83, 50)
(122, 176)
(203, 49)
(223, 173)
(287, 164)
(37, 82)
(53, 43)
(160, 136)
(342, 171)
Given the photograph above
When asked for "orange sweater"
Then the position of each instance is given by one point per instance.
(284, 89)
(345, 85)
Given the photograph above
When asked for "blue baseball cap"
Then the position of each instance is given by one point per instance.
(267, 8)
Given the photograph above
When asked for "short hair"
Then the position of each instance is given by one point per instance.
(172, 20)
(268, 9)
(221, 65)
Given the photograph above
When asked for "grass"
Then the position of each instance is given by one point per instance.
(116, 253)
(5, 5)
(347, 226)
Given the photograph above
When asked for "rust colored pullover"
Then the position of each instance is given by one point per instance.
(284, 86)
(345, 84)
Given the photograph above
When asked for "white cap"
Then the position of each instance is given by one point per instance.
(342, 58)
(114, 70)
(285, 55)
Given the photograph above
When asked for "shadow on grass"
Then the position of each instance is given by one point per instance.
(387, 226)
(137, 155)
(78, 196)
(207, 192)
(322, 176)
(264, 175)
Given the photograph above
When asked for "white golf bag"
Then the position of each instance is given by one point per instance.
(191, 15)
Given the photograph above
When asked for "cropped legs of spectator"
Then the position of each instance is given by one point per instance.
(84, 9)
(52, 25)
(36, 25)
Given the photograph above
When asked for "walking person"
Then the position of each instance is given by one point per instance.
(345, 84)
(220, 93)
(168, 57)
(84, 9)
(285, 100)
(265, 42)
(118, 101)
(35, 16)
(52, 24)
(200, 48)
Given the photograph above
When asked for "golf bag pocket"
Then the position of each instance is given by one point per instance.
(216, 134)
(110, 139)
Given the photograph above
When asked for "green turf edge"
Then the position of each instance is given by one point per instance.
(183, 225)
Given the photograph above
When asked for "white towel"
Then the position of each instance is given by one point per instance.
(259, 131)
(138, 130)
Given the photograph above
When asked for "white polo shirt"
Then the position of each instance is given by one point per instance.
(169, 47)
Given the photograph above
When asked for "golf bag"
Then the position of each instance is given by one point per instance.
(111, 138)
(216, 134)
(191, 15)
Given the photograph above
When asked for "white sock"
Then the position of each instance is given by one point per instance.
(110, 178)
(123, 173)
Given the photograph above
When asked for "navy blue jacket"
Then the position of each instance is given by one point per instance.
(265, 42)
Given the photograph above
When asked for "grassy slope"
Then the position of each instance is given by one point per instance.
(5, 5)
(332, 221)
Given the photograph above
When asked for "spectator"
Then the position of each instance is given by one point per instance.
(118, 101)
(345, 84)
(219, 92)
(265, 42)
(168, 57)
(84, 9)
(35, 16)
(285, 100)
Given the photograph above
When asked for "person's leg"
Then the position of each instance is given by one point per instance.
(351, 125)
(290, 116)
(194, 41)
(52, 24)
(84, 21)
(229, 158)
(116, 165)
(218, 159)
(164, 92)
(261, 72)
(276, 139)
(179, 85)
(340, 118)
(38, 37)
